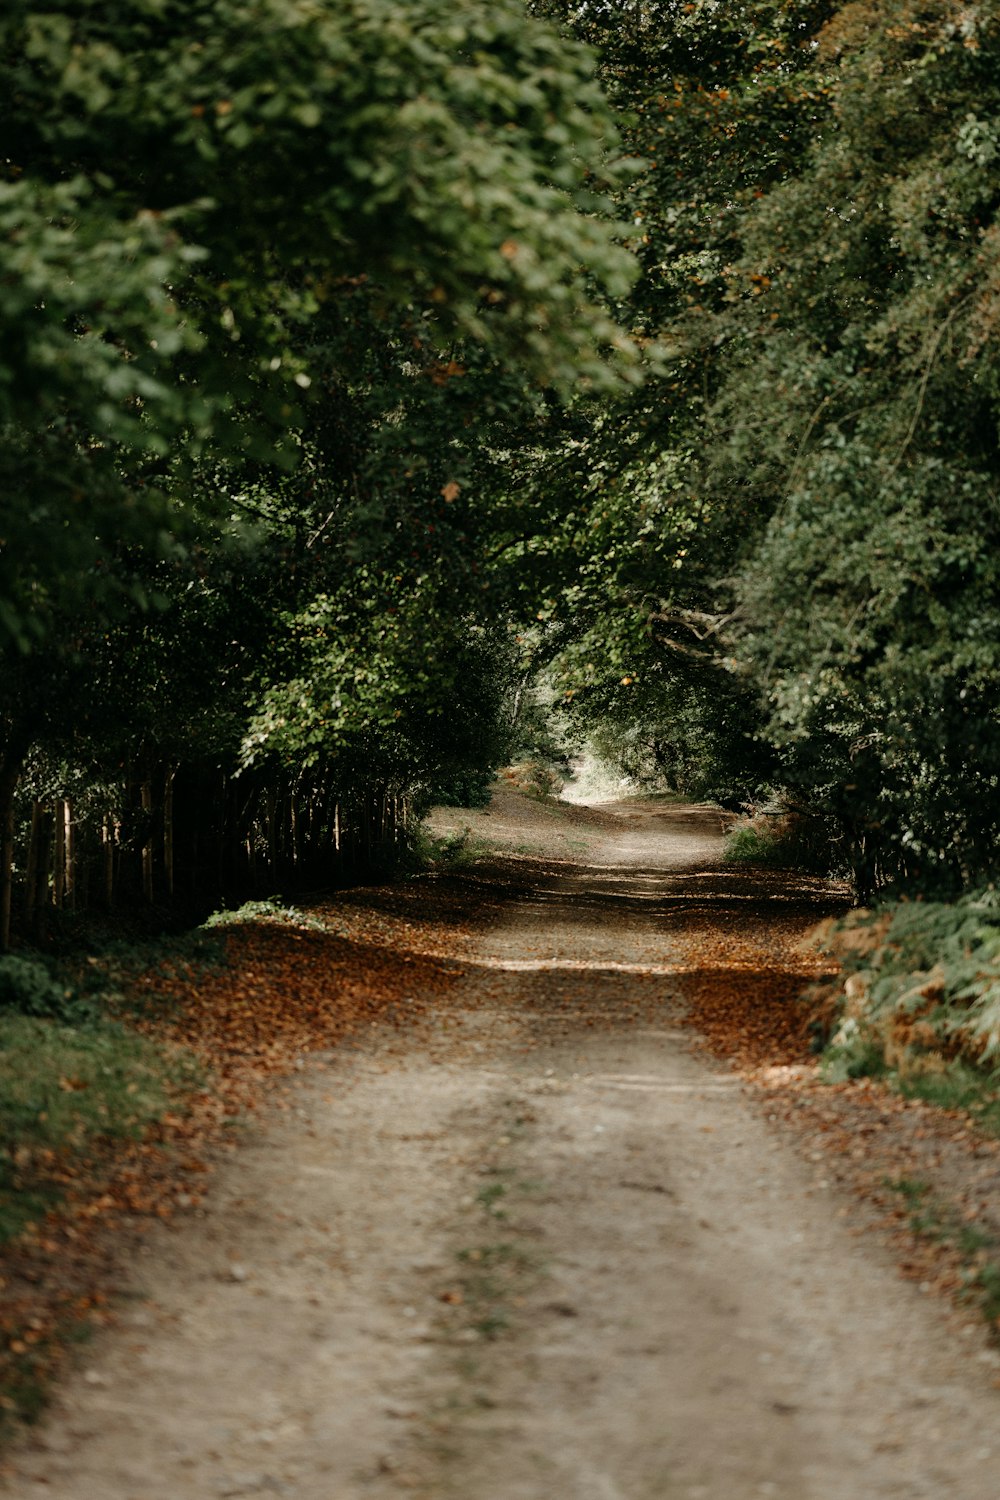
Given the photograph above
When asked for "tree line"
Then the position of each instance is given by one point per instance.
(796, 516)
(277, 289)
(362, 360)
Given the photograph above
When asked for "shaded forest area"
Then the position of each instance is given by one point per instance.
(392, 388)
(395, 390)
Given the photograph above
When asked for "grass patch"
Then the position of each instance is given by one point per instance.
(29, 1364)
(506, 1253)
(747, 846)
(68, 1094)
(853, 1055)
(65, 1089)
(911, 1188)
(781, 841)
(493, 1324)
(954, 1085)
(35, 987)
(493, 1278)
(959, 1087)
(114, 977)
(489, 1198)
(496, 1275)
(447, 851)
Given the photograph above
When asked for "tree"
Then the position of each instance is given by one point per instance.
(625, 525)
(817, 461)
(181, 207)
(249, 288)
(869, 612)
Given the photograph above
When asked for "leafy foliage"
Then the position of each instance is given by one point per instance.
(271, 311)
(799, 507)
(922, 993)
(871, 603)
(271, 910)
(443, 155)
(66, 1092)
(330, 377)
(28, 987)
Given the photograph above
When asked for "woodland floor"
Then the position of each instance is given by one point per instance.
(543, 1198)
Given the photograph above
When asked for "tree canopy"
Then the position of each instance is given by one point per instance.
(804, 500)
(190, 209)
(361, 358)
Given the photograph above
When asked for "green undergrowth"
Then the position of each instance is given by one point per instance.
(79, 1081)
(270, 909)
(917, 1001)
(111, 978)
(66, 1090)
(455, 850)
(494, 1277)
(26, 1383)
(75, 1075)
(36, 987)
(779, 841)
(496, 1273)
(534, 777)
(746, 845)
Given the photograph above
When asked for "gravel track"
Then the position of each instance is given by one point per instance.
(549, 1249)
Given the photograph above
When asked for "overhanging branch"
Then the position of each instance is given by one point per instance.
(701, 627)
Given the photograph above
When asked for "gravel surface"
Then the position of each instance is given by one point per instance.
(548, 1246)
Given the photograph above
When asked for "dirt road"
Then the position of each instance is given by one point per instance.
(547, 1250)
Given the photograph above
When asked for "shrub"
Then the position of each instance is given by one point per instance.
(920, 994)
(534, 777)
(781, 840)
(469, 789)
(270, 909)
(29, 988)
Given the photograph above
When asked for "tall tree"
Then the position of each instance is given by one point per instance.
(267, 283)
(804, 500)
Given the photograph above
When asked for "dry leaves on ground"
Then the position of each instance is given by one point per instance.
(929, 1178)
(284, 992)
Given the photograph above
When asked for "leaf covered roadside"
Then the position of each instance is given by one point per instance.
(228, 1032)
(291, 986)
(927, 1175)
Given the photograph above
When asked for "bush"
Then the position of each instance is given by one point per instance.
(270, 909)
(471, 789)
(784, 840)
(920, 994)
(534, 777)
(28, 987)
(747, 844)
(448, 851)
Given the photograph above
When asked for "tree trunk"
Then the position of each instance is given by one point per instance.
(58, 854)
(69, 854)
(108, 827)
(168, 828)
(146, 802)
(39, 897)
(10, 773)
(31, 872)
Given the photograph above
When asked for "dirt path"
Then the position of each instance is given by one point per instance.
(549, 1250)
